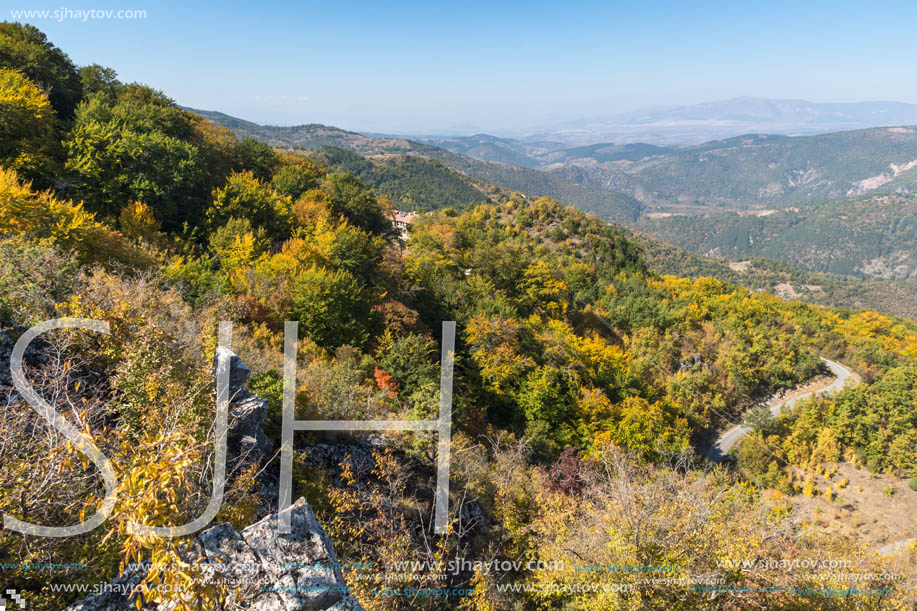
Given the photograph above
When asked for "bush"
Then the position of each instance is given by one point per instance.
(33, 278)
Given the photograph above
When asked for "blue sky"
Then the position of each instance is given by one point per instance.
(427, 67)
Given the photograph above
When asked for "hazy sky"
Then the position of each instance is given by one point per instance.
(433, 66)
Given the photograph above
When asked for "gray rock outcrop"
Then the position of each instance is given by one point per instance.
(261, 568)
(246, 439)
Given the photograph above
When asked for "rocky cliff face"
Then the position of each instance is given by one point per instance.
(265, 570)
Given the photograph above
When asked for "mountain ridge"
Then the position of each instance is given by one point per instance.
(687, 124)
(607, 204)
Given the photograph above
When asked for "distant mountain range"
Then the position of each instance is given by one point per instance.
(752, 171)
(744, 172)
(727, 118)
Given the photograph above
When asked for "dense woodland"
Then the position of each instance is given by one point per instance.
(872, 236)
(587, 386)
(787, 280)
(849, 252)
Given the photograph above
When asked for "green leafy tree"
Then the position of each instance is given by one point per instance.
(258, 158)
(138, 146)
(296, 176)
(331, 307)
(409, 360)
(352, 200)
(115, 166)
(25, 48)
(96, 78)
(547, 407)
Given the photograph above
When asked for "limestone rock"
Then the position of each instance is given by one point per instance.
(246, 412)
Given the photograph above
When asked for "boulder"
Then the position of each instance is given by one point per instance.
(246, 438)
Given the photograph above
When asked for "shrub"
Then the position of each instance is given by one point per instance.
(137, 221)
(566, 475)
(33, 278)
(809, 488)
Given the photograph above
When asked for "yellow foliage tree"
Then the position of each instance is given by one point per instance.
(137, 221)
(41, 215)
(26, 126)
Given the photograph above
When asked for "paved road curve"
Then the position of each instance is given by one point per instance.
(731, 437)
(841, 375)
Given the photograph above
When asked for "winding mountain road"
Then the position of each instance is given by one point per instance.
(730, 438)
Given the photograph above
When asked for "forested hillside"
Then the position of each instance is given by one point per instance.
(412, 182)
(744, 172)
(787, 280)
(587, 387)
(869, 237)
